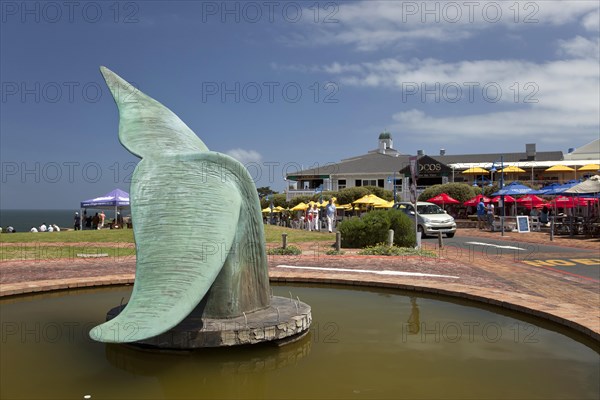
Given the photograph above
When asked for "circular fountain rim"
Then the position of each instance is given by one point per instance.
(475, 294)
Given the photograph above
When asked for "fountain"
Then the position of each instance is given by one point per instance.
(201, 268)
(363, 343)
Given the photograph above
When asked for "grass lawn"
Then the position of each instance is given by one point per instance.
(103, 235)
(31, 245)
(272, 234)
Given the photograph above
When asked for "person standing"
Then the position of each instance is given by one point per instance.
(490, 215)
(308, 216)
(77, 224)
(315, 219)
(330, 211)
(481, 214)
(102, 217)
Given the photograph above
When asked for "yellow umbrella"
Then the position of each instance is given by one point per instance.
(300, 206)
(387, 204)
(589, 168)
(476, 171)
(370, 199)
(512, 169)
(344, 206)
(559, 168)
(275, 209)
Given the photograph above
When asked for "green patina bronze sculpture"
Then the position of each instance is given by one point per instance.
(198, 230)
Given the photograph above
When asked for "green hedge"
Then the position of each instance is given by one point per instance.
(373, 228)
(459, 191)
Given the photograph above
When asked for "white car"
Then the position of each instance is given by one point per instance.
(431, 218)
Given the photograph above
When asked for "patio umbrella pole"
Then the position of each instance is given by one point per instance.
(502, 197)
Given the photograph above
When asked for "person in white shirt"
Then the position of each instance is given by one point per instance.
(490, 213)
(56, 228)
(50, 228)
(330, 211)
(33, 229)
(43, 227)
(315, 220)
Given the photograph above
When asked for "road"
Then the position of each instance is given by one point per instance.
(566, 260)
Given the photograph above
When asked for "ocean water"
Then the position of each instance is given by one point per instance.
(23, 220)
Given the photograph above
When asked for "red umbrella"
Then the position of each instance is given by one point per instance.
(475, 200)
(507, 199)
(443, 199)
(530, 200)
(564, 202)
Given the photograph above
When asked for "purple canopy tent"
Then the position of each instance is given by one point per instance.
(117, 199)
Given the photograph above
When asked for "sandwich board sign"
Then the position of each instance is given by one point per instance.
(523, 224)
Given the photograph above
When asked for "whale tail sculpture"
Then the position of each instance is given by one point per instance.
(197, 225)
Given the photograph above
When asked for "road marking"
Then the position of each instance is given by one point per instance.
(570, 262)
(368, 271)
(496, 245)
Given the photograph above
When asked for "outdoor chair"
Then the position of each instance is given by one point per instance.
(535, 224)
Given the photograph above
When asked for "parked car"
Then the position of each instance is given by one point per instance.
(431, 218)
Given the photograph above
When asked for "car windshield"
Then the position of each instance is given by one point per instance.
(429, 209)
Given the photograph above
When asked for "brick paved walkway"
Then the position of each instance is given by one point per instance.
(570, 300)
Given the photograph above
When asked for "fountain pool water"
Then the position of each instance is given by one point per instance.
(374, 343)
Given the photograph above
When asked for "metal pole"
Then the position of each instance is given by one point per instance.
(394, 183)
(284, 240)
(338, 241)
(502, 197)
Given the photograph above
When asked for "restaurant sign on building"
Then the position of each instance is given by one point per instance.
(429, 171)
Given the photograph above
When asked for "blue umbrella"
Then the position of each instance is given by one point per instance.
(545, 189)
(515, 188)
(559, 189)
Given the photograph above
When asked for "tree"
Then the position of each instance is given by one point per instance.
(459, 191)
(264, 191)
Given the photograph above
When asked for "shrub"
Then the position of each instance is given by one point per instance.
(459, 191)
(382, 249)
(404, 229)
(288, 251)
(373, 228)
(334, 252)
(353, 232)
(348, 195)
(297, 200)
(380, 192)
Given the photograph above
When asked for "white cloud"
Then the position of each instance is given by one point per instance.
(245, 156)
(554, 99)
(371, 25)
(591, 21)
(580, 47)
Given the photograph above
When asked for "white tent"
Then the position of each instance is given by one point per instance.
(592, 185)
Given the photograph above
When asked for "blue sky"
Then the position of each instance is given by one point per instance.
(288, 85)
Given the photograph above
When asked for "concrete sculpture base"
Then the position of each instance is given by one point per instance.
(282, 322)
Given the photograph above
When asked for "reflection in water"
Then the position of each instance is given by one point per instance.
(414, 322)
(214, 372)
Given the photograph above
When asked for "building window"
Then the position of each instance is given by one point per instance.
(341, 184)
(358, 182)
(369, 182)
(380, 183)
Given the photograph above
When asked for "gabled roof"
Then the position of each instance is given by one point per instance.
(375, 162)
(590, 151)
(367, 163)
(490, 158)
